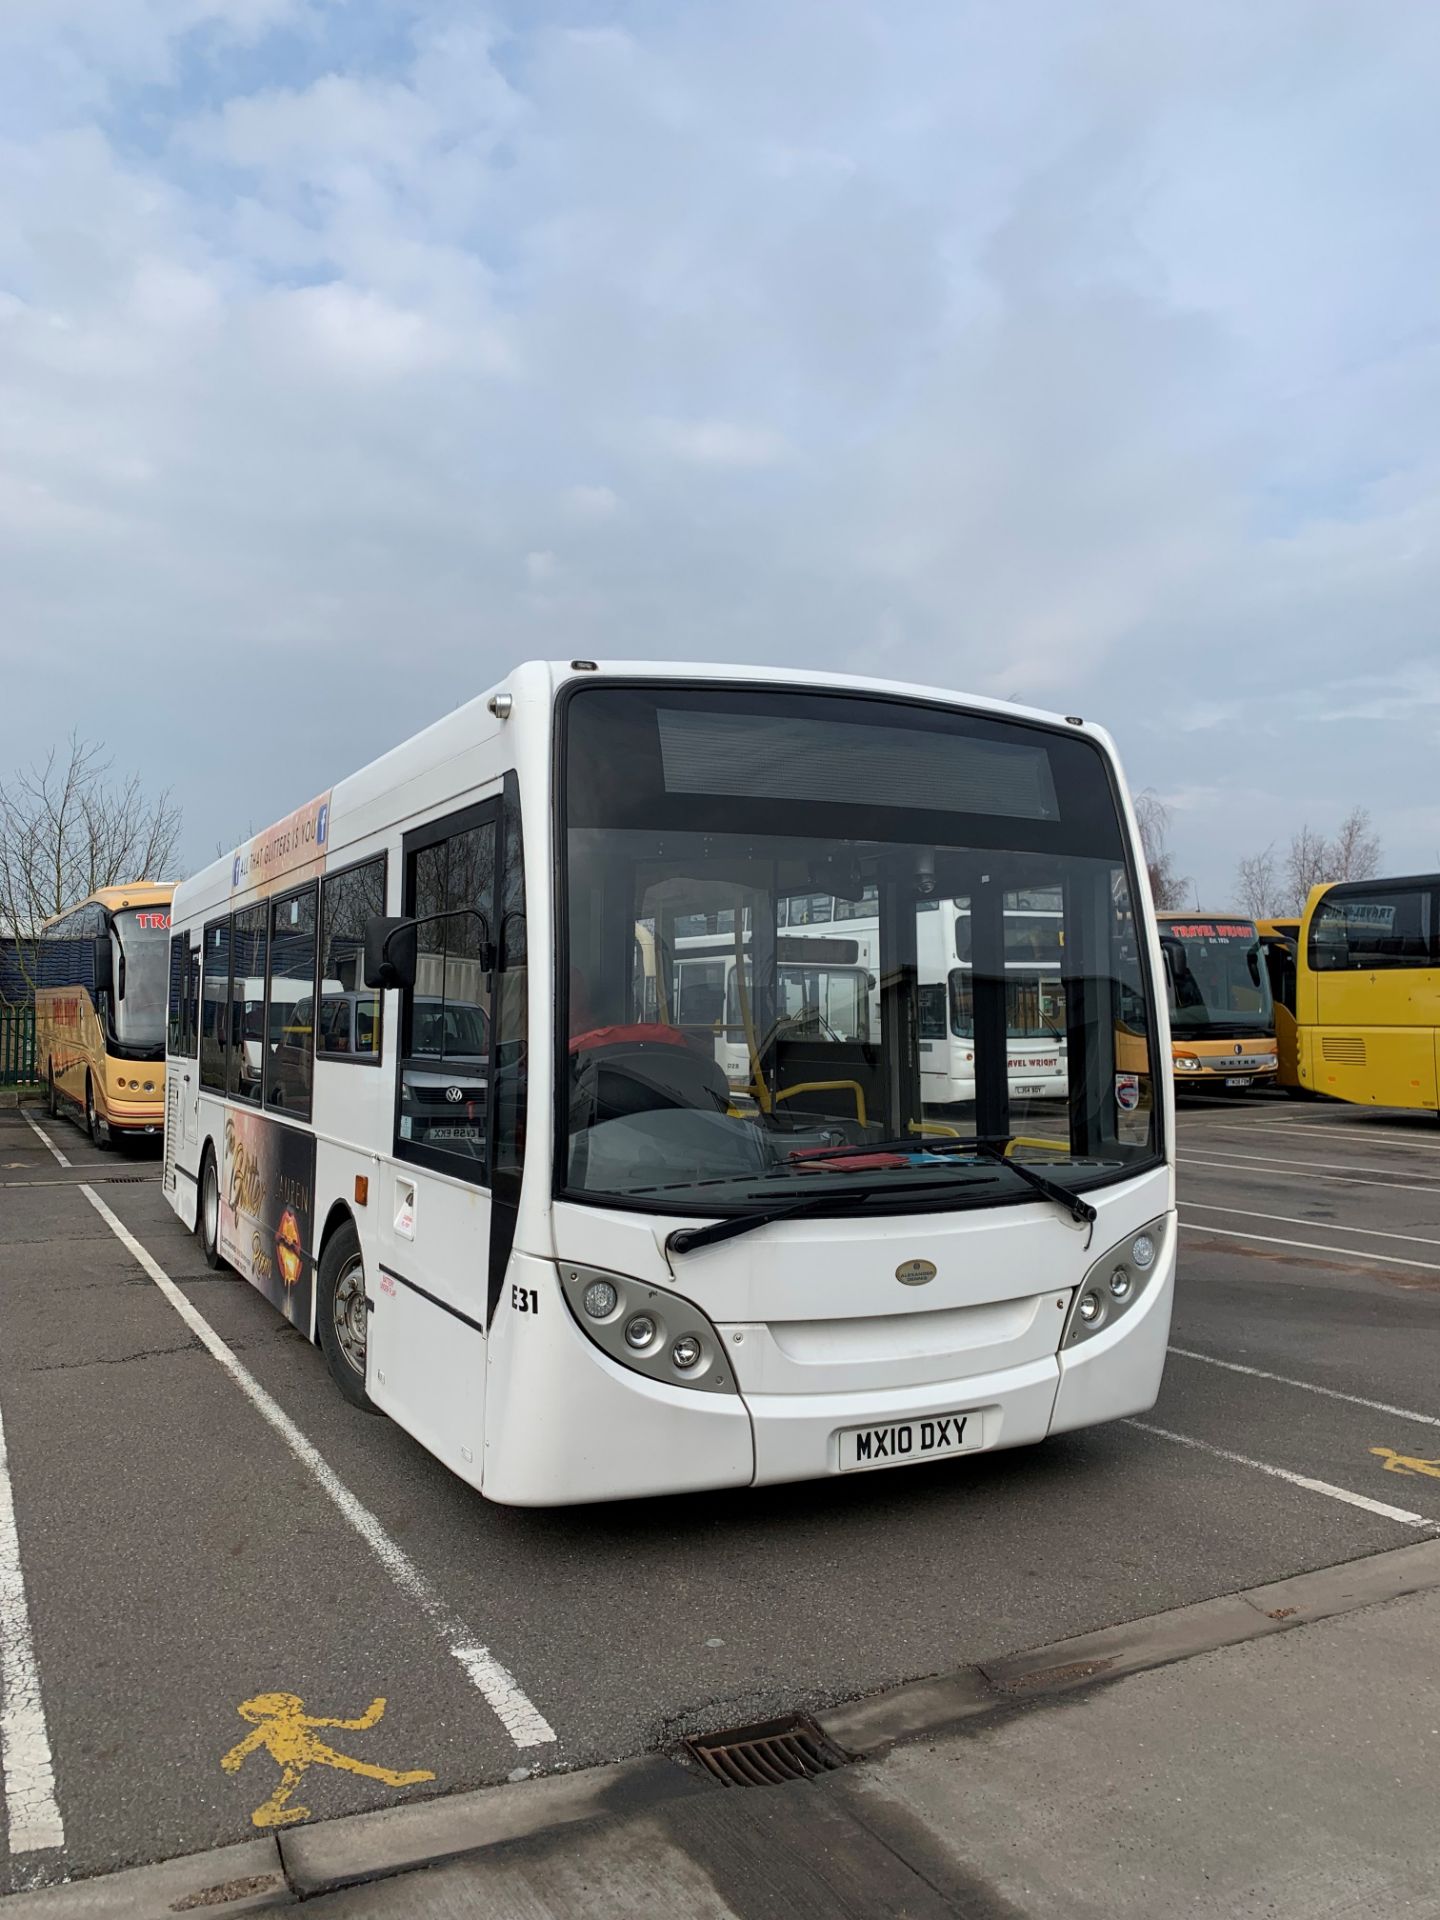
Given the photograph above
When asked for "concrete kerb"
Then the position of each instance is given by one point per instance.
(262, 1875)
(927, 1707)
(246, 1878)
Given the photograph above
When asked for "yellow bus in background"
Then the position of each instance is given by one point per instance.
(1279, 942)
(1367, 992)
(102, 975)
(1222, 1020)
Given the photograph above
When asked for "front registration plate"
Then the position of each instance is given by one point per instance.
(1237, 1080)
(910, 1440)
(1030, 1089)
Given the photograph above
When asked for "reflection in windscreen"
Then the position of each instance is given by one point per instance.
(450, 1031)
(815, 961)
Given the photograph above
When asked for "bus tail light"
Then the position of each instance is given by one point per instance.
(648, 1329)
(1115, 1282)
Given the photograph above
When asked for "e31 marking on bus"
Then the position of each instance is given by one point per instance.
(524, 1299)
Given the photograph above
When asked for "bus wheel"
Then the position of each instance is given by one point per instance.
(342, 1316)
(207, 1214)
(94, 1125)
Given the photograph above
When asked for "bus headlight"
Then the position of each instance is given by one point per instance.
(1115, 1282)
(1187, 1063)
(650, 1330)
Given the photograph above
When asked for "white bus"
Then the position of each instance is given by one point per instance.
(826, 951)
(539, 1226)
(1034, 930)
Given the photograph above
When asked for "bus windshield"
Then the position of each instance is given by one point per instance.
(1216, 978)
(710, 807)
(141, 938)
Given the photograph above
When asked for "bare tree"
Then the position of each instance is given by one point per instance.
(1257, 884)
(1311, 859)
(1307, 865)
(1168, 887)
(1355, 850)
(67, 827)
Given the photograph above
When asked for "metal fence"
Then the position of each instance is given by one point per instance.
(17, 1046)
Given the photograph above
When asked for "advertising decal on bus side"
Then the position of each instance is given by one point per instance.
(267, 1215)
(293, 848)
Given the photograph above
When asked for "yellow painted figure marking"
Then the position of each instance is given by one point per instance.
(287, 1734)
(1406, 1463)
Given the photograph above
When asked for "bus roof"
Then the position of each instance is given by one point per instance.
(449, 739)
(1347, 889)
(136, 893)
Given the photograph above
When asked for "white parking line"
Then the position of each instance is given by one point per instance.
(44, 1139)
(1264, 1168)
(1309, 1386)
(1312, 1246)
(1399, 1135)
(1294, 1220)
(27, 1772)
(1362, 1500)
(1233, 1156)
(522, 1719)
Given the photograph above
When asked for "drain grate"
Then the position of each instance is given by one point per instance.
(769, 1754)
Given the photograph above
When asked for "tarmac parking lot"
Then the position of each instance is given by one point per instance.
(210, 1543)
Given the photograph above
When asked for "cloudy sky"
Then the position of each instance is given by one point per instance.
(353, 350)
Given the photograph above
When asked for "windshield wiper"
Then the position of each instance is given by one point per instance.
(931, 1148)
(1077, 1208)
(690, 1239)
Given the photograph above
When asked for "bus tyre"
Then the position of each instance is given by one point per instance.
(94, 1125)
(342, 1315)
(207, 1213)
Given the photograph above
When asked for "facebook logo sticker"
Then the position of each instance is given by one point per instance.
(235, 872)
(322, 822)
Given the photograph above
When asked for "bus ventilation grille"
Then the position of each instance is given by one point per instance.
(769, 1754)
(1345, 1050)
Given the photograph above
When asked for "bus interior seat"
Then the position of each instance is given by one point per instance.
(630, 1077)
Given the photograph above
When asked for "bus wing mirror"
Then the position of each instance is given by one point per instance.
(104, 965)
(391, 952)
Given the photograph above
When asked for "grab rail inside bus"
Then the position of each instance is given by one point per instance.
(830, 1086)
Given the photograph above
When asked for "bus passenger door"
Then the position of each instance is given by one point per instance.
(426, 1360)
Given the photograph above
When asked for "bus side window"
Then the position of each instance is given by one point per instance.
(289, 1058)
(214, 1002)
(175, 1035)
(351, 1014)
(182, 1027)
(249, 938)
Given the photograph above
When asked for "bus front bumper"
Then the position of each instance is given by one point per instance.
(1115, 1373)
(135, 1117)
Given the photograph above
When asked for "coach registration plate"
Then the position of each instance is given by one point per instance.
(923, 1439)
(1237, 1079)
